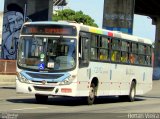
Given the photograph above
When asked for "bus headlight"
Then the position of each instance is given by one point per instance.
(68, 80)
(21, 78)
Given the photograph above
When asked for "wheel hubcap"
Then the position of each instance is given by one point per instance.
(91, 93)
(132, 93)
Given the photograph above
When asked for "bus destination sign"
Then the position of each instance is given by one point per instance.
(49, 30)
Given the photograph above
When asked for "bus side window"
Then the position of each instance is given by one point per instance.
(103, 48)
(125, 50)
(85, 49)
(133, 56)
(148, 55)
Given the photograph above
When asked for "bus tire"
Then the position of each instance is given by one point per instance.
(92, 94)
(41, 99)
(132, 92)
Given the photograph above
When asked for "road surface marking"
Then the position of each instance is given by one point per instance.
(30, 108)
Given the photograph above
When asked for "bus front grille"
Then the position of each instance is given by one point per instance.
(38, 88)
(45, 76)
(34, 81)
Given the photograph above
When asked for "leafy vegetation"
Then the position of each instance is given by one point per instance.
(71, 15)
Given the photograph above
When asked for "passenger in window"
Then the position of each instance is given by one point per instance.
(114, 56)
(109, 41)
(119, 45)
(103, 56)
(148, 60)
(132, 58)
(128, 46)
(140, 60)
(118, 56)
(93, 53)
(124, 57)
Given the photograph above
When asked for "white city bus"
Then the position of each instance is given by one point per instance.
(70, 59)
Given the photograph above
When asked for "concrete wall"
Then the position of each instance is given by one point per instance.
(36, 9)
(40, 10)
(156, 71)
(15, 13)
(7, 80)
(1, 24)
(8, 67)
(20, 3)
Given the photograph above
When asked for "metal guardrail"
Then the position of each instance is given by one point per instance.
(7, 67)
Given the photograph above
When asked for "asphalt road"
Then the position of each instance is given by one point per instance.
(24, 106)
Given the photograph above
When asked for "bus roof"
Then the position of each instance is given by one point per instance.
(95, 30)
(116, 34)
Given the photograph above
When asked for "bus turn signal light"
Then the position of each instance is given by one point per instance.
(66, 90)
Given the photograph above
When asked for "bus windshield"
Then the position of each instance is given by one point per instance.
(49, 53)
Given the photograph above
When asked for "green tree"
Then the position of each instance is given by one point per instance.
(71, 15)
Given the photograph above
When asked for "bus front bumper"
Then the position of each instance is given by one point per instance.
(46, 89)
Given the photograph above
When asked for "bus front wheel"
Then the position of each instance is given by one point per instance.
(92, 94)
(41, 99)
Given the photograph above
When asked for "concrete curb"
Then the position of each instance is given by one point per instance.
(6, 80)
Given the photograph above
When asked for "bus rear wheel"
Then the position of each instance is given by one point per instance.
(132, 93)
(41, 99)
(92, 94)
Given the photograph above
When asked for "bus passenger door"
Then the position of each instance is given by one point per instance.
(84, 52)
(84, 57)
